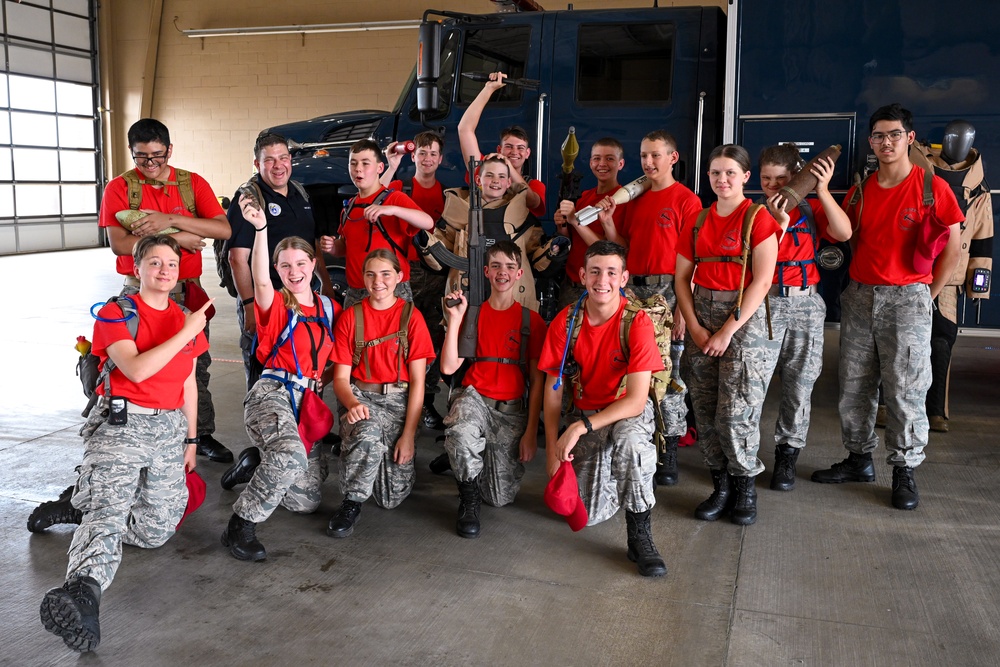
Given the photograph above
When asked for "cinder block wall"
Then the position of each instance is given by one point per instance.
(216, 94)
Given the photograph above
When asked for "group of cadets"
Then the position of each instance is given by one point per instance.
(739, 277)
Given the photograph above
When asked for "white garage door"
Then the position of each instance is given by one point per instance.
(50, 169)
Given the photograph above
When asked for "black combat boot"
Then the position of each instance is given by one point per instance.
(72, 613)
(213, 449)
(441, 464)
(904, 489)
(241, 538)
(242, 471)
(641, 549)
(783, 477)
(468, 508)
(52, 512)
(666, 464)
(855, 468)
(744, 510)
(431, 418)
(717, 503)
(342, 522)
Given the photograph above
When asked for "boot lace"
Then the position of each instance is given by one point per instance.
(902, 479)
(470, 500)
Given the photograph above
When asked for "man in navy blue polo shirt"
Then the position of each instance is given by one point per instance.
(288, 213)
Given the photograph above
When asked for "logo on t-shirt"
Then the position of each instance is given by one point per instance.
(666, 218)
(908, 219)
(731, 241)
(512, 341)
(618, 362)
(273, 209)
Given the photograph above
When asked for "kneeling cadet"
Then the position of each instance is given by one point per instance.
(491, 430)
(381, 352)
(138, 440)
(609, 434)
(295, 342)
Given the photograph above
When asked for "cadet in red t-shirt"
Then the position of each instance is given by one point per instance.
(609, 428)
(607, 158)
(904, 253)
(513, 144)
(282, 409)
(652, 228)
(727, 347)
(138, 440)
(428, 193)
(366, 225)
(492, 426)
(380, 388)
(797, 309)
(164, 202)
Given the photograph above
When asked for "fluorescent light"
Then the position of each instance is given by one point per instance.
(366, 26)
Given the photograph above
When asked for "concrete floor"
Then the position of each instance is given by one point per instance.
(829, 575)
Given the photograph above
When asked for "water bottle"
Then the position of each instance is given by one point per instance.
(677, 385)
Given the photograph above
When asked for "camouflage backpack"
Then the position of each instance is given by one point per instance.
(658, 311)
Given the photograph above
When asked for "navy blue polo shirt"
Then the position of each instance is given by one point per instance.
(289, 215)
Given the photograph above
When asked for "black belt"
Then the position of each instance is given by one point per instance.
(647, 281)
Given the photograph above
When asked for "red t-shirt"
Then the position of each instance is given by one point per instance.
(797, 245)
(500, 338)
(270, 324)
(361, 237)
(723, 237)
(165, 200)
(599, 354)
(886, 236)
(652, 226)
(574, 262)
(384, 357)
(430, 200)
(165, 388)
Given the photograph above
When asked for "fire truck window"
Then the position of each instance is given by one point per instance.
(625, 63)
(490, 50)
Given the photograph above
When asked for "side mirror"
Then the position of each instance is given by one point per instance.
(428, 66)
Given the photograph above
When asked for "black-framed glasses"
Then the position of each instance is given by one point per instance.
(892, 137)
(151, 158)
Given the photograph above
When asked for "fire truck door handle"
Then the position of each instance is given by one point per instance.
(697, 142)
(539, 135)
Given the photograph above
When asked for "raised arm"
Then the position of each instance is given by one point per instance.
(839, 224)
(263, 290)
(470, 119)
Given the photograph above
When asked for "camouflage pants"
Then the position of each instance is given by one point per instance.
(727, 392)
(206, 409)
(615, 465)
(885, 334)
(286, 476)
(131, 489)
(355, 294)
(797, 322)
(484, 443)
(673, 406)
(252, 366)
(366, 466)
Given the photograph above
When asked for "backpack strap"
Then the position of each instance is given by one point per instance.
(183, 183)
(624, 332)
(301, 189)
(361, 345)
(187, 190)
(407, 186)
(522, 360)
(131, 314)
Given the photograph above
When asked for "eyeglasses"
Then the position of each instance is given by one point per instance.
(881, 137)
(153, 158)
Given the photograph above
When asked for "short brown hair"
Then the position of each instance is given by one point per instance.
(147, 243)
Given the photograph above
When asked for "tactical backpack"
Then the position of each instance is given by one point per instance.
(658, 311)
(361, 345)
(88, 365)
